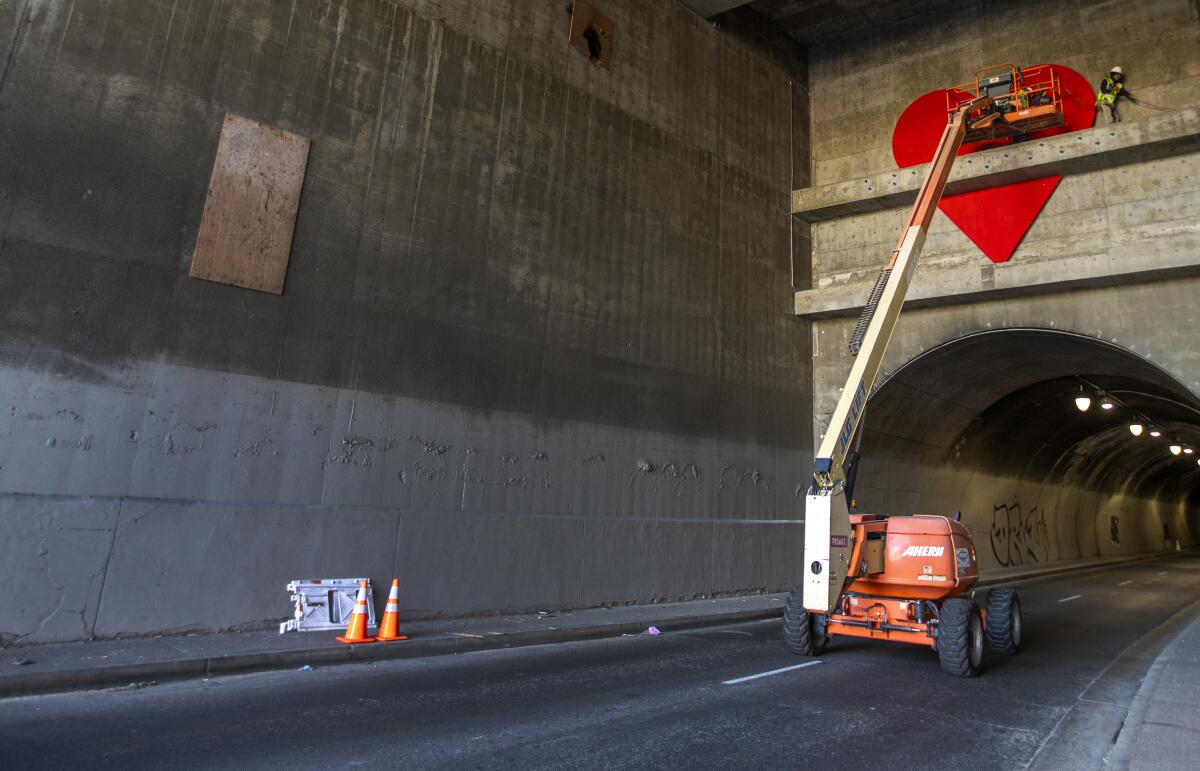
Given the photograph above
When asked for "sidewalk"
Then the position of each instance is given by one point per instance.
(69, 666)
(1162, 731)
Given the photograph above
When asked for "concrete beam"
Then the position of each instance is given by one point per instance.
(1138, 262)
(710, 8)
(1107, 146)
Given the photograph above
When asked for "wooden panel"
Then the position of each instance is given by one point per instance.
(245, 234)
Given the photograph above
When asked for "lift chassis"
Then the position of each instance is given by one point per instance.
(906, 578)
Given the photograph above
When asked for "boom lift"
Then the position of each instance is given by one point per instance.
(906, 578)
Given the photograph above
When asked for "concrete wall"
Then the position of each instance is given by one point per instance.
(534, 348)
(1132, 214)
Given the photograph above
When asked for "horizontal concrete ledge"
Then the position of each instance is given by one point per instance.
(238, 656)
(1159, 136)
(985, 281)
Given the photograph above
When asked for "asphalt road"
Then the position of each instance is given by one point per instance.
(629, 702)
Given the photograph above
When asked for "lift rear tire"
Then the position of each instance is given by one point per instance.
(803, 632)
(1003, 621)
(960, 637)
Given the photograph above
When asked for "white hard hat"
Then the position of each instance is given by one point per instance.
(1117, 70)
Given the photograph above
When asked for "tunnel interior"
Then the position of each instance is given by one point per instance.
(987, 425)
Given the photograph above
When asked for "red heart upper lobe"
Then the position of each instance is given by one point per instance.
(995, 219)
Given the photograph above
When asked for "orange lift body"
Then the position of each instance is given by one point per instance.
(902, 563)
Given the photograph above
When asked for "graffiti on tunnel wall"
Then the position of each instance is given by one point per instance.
(1019, 538)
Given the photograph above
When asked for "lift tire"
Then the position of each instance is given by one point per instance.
(803, 632)
(1003, 621)
(960, 639)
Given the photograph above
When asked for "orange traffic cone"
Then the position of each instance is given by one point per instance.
(356, 630)
(389, 627)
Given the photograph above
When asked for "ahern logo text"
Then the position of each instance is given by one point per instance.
(924, 551)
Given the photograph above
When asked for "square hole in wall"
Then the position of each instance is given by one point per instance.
(591, 33)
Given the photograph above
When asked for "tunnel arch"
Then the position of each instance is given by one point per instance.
(985, 424)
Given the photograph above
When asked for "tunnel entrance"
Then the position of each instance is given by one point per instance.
(988, 425)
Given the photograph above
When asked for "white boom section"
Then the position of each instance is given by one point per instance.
(827, 531)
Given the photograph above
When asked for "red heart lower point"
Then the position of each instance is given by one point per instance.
(995, 219)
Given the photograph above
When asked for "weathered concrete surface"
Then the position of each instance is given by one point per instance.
(1168, 256)
(55, 553)
(817, 23)
(533, 350)
(1105, 279)
(1105, 146)
(1139, 218)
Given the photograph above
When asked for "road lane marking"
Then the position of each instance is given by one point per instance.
(1162, 572)
(768, 674)
(1126, 583)
(1072, 597)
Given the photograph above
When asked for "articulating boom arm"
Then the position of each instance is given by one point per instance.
(827, 515)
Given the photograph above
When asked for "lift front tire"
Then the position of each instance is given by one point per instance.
(803, 632)
(1003, 621)
(960, 637)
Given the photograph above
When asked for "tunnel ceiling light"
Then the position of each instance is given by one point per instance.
(1082, 403)
(1188, 450)
(1106, 405)
(1135, 429)
(1154, 432)
(1175, 449)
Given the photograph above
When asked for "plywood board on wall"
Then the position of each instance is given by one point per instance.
(249, 216)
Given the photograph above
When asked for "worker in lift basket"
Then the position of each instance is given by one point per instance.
(1113, 88)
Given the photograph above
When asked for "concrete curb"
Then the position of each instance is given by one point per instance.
(207, 666)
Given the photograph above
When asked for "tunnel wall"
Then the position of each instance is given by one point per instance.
(533, 349)
(1025, 522)
(1129, 215)
(986, 425)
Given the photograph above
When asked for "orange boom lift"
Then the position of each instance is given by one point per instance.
(907, 578)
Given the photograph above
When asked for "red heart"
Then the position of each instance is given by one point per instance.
(995, 219)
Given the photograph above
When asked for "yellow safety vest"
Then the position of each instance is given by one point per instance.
(1110, 98)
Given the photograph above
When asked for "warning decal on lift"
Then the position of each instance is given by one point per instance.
(839, 541)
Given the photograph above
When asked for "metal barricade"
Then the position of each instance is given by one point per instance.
(325, 603)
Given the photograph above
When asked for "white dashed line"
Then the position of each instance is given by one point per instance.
(1162, 572)
(1072, 597)
(768, 674)
(1126, 583)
